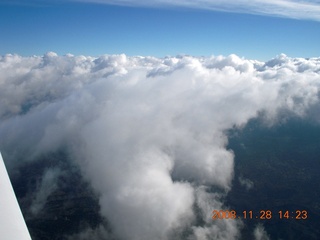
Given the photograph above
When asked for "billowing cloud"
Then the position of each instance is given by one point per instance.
(284, 8)
(148, 133)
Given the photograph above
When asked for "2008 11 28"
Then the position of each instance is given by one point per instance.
(262, 214)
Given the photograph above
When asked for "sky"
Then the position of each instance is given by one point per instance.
(257, 30)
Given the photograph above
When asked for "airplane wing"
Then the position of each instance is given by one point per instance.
(12, 224)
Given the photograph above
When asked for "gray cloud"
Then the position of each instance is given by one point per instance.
(148, 133)
(99, 233)
(260, 233)
(45, 188)
(246, 183)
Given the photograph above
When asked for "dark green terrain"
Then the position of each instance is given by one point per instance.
(71, 208)
(283, 163)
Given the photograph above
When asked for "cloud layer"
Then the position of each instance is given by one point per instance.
(148, 133)
(284, 8)
(296, 9)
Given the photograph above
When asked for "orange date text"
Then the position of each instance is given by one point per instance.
(260, 215)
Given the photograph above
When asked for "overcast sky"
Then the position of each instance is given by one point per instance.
(256, 30)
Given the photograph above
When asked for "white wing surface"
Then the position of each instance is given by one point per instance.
(12, 224)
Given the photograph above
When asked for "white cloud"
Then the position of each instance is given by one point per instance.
(148, 133)
(284, 8)
(220, 229)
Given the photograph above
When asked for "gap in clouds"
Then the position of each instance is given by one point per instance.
(281, 162)
(55, 198)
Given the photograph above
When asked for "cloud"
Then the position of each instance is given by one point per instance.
(149, 134)
(296, 9)
(260, 233)
(282, 8)
(246, 183)
(45, 188)
(100, 233)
